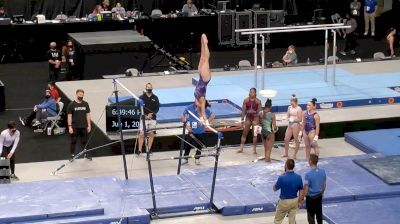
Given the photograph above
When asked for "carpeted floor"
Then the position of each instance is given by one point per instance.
(24, 87)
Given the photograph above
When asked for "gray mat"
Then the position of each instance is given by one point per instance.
(386, 168)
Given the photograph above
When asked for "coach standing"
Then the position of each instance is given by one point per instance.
(151, 108)
(9, 139)
(78, 118)
(196, 130)
(290, 184)
(314, 188)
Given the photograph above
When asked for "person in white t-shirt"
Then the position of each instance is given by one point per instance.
(9, 139)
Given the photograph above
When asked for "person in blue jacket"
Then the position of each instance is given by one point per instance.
(47, 108)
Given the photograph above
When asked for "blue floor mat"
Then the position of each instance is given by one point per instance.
(384, 210)
(47, 199)
(59, 196)
(350, 90)
(386, 168)
(258, 179)
(173, 194)
(385, 141)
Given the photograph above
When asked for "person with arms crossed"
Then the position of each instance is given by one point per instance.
(314, 189)
(196, 130)
(151, 108)
(78, 119)
(290, 183)
(9, 140)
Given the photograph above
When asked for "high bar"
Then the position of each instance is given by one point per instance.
(198, 119)
(130, 92)
(334, 25)
(294, 30)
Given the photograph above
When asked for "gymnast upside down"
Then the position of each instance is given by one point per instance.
(205, 77)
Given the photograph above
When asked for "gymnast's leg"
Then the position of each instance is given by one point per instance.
(205, 73)
(204, 64)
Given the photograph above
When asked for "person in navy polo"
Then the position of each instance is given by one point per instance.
(370, 10)
(290, 183)
(314, 188)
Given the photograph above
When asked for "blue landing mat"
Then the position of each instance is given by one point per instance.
(385, 210)
(105, 191)
(385, 141)
(238, 182)
(173, 194)
(47, 199)
(350, 90)
(386, 168)
(171, 111)
(221, 108)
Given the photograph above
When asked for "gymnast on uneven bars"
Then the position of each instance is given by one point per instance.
(205, 77)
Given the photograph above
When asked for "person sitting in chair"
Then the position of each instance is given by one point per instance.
(3, 13)
(290, 56)
(189, 7)
(47, 108)
(118, 11)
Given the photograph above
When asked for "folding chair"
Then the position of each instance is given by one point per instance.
(52, 122)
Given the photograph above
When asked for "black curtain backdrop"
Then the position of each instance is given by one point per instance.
(81, 8)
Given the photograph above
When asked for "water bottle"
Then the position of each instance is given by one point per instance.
(308, 61)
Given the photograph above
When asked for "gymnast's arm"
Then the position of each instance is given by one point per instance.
(317, 123)
(259, 109)
(211, 117)
(302, 121)
(299, 114)
(274, 127)
(287, 113)
(243, 110)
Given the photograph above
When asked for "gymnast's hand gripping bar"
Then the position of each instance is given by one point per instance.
(209, 127)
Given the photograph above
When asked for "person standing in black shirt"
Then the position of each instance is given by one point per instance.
(54, 57)
(78, 121)
(151, 107)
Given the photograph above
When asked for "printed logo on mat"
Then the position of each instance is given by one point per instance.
(395, 88)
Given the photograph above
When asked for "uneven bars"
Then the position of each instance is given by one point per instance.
(141, 103)
(198, 119)
(130, 92)
(294, 30)
(334, 25)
